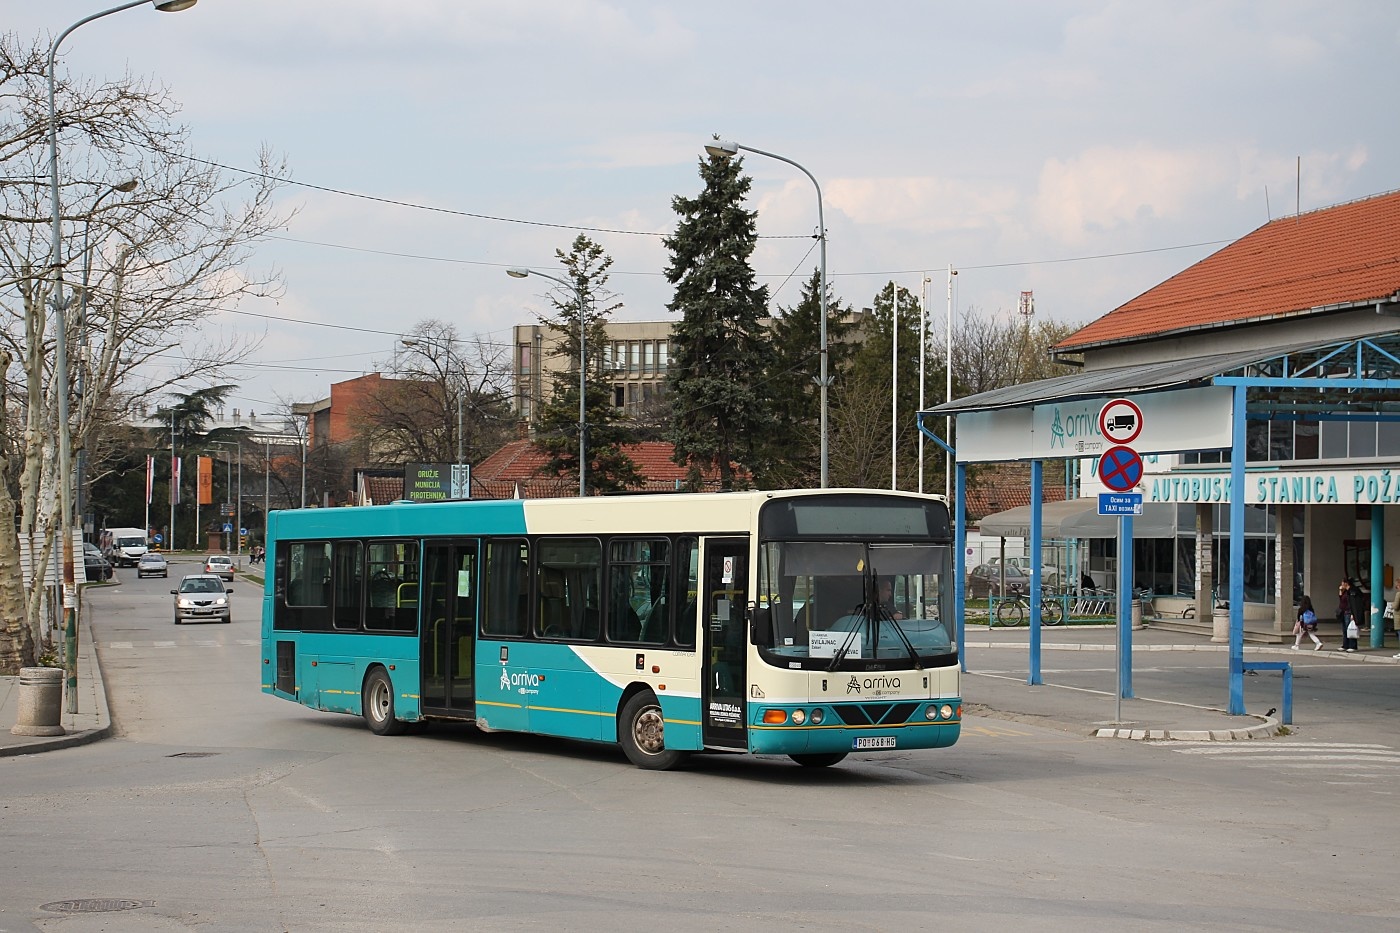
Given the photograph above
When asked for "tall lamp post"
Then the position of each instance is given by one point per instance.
(124, 187)
(724, 149)
(521, 272)
(461, 389)
(60, 358)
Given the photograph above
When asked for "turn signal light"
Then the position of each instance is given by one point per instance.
(774, 717)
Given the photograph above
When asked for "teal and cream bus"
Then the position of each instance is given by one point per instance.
(805, 623)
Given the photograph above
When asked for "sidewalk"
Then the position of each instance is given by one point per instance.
(995, 684)
(93, 721)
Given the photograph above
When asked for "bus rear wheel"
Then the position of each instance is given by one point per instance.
(642, 733)
(378, 704)
(819, 760)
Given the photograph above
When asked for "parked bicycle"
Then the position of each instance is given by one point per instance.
(1016, 609)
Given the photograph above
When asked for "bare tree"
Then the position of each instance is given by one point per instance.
(144, 268)
(413, 415)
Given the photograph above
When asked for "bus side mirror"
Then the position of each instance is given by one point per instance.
(762, 632)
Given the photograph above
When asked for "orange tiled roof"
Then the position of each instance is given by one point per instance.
(1341, 255)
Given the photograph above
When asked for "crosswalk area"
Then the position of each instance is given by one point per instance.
(1347, 762)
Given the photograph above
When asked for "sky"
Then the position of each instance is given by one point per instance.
(1082, 151)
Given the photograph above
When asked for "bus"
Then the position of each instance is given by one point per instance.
(805, 623)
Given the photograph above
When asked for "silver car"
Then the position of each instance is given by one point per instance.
(202, 597)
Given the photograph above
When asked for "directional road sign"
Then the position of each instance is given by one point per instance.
(1120, 468)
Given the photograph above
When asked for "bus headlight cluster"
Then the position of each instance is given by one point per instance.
(935, 713)
(798, 717)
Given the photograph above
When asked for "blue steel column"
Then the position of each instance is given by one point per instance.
(1377, 575)
(1125, 607)
(1236, 569)
(1036, 478)
(960, 563)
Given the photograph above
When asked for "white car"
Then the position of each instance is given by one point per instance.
(219, 565)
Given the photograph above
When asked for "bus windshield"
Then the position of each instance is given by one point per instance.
(829, 603)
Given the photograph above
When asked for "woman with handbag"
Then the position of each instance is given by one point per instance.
(1346, 615)
(1306, 624)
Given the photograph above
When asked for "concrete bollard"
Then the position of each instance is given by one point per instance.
(40, 700)
(1220, 625)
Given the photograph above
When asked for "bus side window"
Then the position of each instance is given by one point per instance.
(687, 568)
(505, 602)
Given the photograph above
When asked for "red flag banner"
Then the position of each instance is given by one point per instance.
(174, 480)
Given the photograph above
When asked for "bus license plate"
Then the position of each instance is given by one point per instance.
(875, 741)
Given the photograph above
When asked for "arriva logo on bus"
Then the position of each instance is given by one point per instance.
(1343, 487)
(520, 682)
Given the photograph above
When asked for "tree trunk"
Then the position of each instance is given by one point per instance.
(16, 642)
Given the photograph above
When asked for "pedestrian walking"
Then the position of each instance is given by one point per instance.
(1306, 624)
(1346, 615)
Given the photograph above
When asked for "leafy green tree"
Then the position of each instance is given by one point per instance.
(606, 428)
(720, 348)
(793, 447)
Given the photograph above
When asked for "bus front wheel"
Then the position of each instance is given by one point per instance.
(642, 732)
(378, 704)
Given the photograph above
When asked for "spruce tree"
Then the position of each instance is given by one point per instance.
(719, 347)
(609, 467)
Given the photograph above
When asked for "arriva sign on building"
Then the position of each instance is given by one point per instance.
(1181, 419)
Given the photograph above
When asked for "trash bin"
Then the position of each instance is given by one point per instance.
(1220, 624)
(1137, 614)
(40, 701)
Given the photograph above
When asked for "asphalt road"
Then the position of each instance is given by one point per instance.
(220, 809)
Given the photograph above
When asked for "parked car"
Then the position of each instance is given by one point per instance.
(95, 567)
(986, 578)
(202, 597)
(219, 565)
(152, 564)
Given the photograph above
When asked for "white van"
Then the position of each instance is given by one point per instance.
(128, 544)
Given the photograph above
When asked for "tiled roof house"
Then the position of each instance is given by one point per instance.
(1342, 262)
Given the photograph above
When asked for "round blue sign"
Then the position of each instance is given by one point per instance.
(1120, 468)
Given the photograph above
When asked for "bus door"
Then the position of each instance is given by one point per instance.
(724, 602)
(448, 625)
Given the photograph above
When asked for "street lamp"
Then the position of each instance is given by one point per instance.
(520, 272)
(724, 149)
(60, 357)
(123, 187)
(461, 389)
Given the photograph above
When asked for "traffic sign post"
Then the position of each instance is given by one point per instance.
(1120, 469)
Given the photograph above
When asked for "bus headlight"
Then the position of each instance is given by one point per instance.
(798, 717)
(945, 711)
(931, 713)
(817, 717)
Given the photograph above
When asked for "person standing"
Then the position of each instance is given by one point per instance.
(1306, 624)
(1346, 615)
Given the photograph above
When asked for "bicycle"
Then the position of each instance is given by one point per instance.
(1014, 610)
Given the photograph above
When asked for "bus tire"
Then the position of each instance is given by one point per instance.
(819, 759)
(377, 704)
(642, 734)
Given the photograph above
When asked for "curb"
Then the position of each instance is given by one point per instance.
(1268, 728)
(88, 657)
